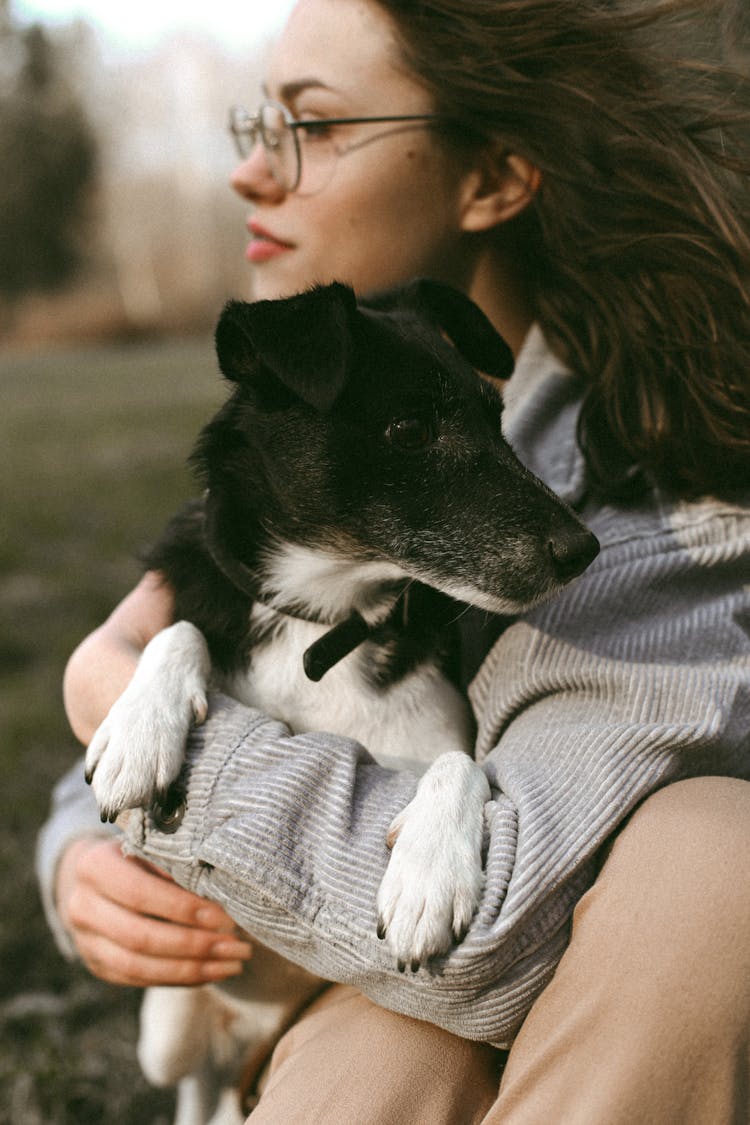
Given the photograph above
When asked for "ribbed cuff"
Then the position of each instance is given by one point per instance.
(172, 839)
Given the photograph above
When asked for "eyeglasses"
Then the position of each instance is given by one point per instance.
(284, 139)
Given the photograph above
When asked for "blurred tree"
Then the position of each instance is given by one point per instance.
(48, 157)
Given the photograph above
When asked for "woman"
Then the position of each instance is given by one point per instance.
(595, 216)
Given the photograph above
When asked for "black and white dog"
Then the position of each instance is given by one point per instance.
(357, 482)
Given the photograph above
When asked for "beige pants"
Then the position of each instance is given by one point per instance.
(646, 1021)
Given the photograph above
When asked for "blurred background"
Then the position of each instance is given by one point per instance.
(119, 242)
(115, 217)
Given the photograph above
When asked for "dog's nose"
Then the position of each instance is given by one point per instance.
(571, 552)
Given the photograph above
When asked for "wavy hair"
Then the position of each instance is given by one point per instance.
(638, 240)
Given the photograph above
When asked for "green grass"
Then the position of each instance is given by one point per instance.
(93, 445)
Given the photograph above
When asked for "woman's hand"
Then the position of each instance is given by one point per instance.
(132, 925)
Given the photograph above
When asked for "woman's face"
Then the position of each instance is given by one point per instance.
(389, 207)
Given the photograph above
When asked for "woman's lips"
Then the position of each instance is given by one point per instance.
(263, 245)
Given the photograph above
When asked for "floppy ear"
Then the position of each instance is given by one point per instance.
(305, 340)
(469, 330)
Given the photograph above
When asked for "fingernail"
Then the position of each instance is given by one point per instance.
(241, 949)
(217, 970)
(212, 919)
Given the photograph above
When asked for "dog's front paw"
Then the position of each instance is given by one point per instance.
(138, 750)
(434, 879)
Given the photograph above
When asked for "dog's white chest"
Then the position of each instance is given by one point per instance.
(413, 720)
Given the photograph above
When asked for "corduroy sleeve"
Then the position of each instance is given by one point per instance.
(636, 676)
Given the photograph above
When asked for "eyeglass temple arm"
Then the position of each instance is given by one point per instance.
(314, 122)
(250, 122)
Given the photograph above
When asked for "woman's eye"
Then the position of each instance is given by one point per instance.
(411, 434)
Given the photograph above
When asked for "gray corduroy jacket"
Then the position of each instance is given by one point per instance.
(635, 676)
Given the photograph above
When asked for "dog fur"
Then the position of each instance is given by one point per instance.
(357, 483)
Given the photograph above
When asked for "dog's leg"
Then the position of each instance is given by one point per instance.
(175, 1038)
(199, 1103)
(228, 1110)
(191, 1106)
(138, 750)
(187, 1040)
(435, 878)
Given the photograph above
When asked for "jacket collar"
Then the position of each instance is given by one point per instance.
(542, 401)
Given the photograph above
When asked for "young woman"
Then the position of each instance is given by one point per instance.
(541, 155)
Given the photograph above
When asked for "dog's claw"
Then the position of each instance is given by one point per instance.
(381, 930)
(199, 707)
(89, 775)
(415, 966)
(401, 966)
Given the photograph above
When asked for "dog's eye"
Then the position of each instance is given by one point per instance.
(411, 434)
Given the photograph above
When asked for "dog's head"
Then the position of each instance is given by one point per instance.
(362, 430)
(309, 342)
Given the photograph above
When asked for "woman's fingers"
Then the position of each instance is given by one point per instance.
(133, 925)
(110, 962)
(141, 933)
(139, 888)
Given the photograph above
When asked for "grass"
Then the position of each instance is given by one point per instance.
(93, 445)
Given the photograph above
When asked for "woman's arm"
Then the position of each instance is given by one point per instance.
(636, 676)
(103, 664)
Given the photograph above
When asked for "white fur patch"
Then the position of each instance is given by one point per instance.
(327, 584)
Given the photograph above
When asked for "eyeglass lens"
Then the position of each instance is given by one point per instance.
(280, 145)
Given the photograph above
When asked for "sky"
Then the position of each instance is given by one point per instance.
(140, 24)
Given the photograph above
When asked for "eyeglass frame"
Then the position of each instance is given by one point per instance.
(251, 127)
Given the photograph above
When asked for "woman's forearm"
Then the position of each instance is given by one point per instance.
(103, 664)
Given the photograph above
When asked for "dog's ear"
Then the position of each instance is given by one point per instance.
(468, 329)
(305, 340)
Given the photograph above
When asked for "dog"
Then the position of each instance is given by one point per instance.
(358, 487)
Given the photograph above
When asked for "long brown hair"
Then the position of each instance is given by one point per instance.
(639, 237)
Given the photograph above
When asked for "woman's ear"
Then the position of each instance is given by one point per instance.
(498, 190)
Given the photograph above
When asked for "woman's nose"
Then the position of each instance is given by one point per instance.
(252, 178)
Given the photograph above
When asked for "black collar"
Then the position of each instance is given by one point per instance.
(337, 643)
